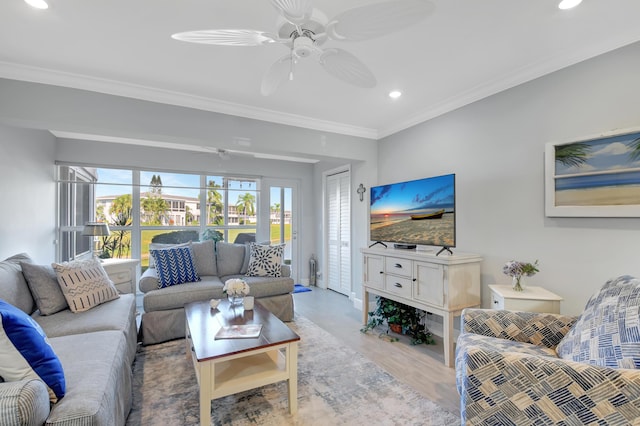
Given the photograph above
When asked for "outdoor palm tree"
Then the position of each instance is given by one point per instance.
(246, 204)
(215, 204)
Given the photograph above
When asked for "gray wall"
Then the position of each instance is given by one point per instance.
(495, 147)
(27, 216)
(71, 110)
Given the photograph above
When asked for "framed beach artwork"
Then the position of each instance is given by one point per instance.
(594, 177)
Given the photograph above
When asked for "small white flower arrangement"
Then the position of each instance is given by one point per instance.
(517, 269)
(236, 287)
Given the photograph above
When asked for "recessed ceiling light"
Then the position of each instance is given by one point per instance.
(38, 4)
(395, 94)
(568, 4)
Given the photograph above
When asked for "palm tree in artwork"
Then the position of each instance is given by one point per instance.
(572, 155)
(246, 204)
(635, 149)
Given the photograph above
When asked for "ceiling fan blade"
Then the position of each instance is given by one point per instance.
(294, 11)
(226, 37)
(276, 75)
(348, 68)
(374, 20)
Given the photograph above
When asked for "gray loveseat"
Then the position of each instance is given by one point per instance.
(96, 349)
(164, 318)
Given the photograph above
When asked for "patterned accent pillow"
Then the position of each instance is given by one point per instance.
(175, 266)
(608, 331)
(85, 284)
(25, 352)
(265, 261)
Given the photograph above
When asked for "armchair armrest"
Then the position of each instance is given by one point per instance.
(527, 327)
(25, 402)
(517, 388)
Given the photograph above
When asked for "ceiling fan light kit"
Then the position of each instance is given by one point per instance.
(569, 4)
(304, 29)
(38, 4)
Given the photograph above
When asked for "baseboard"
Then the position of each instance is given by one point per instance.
(357, 303)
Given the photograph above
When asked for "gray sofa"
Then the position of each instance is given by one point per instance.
(164, 318)
(96, 349)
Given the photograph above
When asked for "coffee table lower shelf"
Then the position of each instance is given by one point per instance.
(237, 373)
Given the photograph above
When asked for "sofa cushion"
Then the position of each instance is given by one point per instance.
(265, 286)
(204, 257)
(25, 352)
(177, 296)
(608, 331)
(85, 284)
(43, 283)
(175, 266)
(229, 258)
(265, 260)
(13, 286)
(99, 379)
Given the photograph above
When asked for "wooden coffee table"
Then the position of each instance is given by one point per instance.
(227, 366)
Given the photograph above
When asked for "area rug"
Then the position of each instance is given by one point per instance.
(299, 288)
(336, 386)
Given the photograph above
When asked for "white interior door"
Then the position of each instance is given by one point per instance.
(338, 231)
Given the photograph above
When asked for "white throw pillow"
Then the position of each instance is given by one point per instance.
(85, 284)
(265, 261)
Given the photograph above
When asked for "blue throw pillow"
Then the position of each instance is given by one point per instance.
(25, 352)
(175, 266)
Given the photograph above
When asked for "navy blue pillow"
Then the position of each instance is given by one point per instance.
(174, 266)
(25, 352)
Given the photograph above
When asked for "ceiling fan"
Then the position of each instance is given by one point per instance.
(304, 29)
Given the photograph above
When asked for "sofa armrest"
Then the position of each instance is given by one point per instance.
(25, 402)
(518, 388)
(148, 280)
(527, 327)
(285, 270)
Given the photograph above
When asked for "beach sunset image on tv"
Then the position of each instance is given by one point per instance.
(416, 212)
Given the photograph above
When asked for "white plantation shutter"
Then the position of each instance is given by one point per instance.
(339, 232)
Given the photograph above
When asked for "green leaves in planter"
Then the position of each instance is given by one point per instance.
(391, 312)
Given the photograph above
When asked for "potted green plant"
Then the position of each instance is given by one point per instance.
(400, 318)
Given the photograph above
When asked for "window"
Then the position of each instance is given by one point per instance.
(142, 207)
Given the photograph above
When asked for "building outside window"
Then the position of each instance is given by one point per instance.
(142, 207)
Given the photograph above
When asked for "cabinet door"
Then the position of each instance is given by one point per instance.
(374, 271)
(428, 283)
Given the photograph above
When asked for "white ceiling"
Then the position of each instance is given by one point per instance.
(466, 50)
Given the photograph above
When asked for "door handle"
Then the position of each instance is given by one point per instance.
(397, 265)
(398, 285)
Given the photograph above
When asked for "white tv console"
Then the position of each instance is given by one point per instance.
(443, 285)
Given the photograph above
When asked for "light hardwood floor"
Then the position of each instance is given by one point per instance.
(421, 367)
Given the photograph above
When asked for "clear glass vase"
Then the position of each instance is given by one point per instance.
(235, 301)
(519, 283)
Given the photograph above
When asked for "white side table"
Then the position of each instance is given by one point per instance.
(532, 299)
(123, 273)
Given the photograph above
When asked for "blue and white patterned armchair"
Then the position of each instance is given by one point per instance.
(524, 368)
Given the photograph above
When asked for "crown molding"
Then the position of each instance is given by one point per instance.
(504, 82)
(111, 87)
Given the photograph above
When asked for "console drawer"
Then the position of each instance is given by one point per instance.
(397, 266)
(398, 285)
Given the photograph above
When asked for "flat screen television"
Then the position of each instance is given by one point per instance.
(416, 212)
